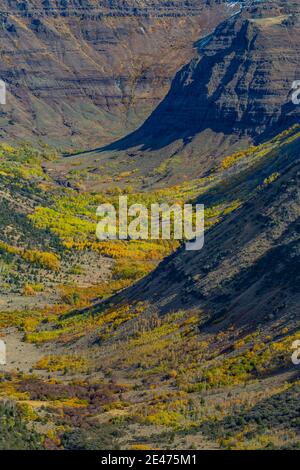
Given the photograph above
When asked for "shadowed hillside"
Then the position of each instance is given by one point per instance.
(236, 91)
(248, 270)
(83, 73)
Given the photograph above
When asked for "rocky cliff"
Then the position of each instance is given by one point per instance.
(83, 73)
(238, 90)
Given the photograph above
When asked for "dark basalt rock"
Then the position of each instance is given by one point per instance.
(237, 90)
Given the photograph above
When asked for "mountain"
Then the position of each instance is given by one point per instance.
(237, 92)
(207, 344)
(80, 73)
(140, 344)
(248, 271)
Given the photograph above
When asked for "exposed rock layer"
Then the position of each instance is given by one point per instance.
(83, 73)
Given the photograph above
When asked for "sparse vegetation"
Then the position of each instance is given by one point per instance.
(156, 375)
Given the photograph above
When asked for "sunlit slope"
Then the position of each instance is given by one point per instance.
(236, 92)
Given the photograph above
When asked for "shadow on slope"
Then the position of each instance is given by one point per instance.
(248, 271)
(238, 87)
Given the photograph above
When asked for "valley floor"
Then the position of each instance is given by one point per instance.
(138, 344)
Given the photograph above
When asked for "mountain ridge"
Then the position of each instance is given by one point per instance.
(74, 80)
(259, 245)
(237, 92)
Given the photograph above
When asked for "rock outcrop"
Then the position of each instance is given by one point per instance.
(237, 91)
(83, 73)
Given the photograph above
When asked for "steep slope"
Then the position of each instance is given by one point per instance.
(34, 262)
(246, 277)
(80, 73)
(205, 341)
(195, 355)
(190, 356)
(237, 91)
(248, 271)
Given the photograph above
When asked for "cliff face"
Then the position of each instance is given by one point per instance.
(236, 91)
(81, 73)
